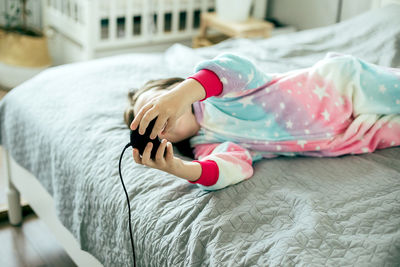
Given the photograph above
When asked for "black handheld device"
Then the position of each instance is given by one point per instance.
(140, 141)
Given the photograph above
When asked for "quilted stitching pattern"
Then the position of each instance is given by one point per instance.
(66, 127)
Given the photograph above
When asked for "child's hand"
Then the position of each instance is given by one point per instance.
(184, 169)
(169, 163)
(168, 107)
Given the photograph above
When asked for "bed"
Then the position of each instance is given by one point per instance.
(62, 133)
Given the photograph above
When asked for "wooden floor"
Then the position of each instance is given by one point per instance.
(31, 244)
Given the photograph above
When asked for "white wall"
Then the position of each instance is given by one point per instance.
(351, 8)
(306, 14)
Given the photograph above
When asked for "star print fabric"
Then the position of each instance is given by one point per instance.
(340, 105)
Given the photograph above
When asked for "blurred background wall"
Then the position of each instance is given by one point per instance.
(304, 14)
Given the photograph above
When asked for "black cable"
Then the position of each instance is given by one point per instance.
(129, 205)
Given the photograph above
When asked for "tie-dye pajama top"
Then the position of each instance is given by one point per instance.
(341, 105)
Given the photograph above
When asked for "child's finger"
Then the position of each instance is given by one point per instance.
(136, 156)
(136, 121)
(146, 154)
(170, 152)
(160, 151)
(147, 118)
(160, 122)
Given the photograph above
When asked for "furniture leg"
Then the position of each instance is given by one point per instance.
(203, 27)
(13, 195)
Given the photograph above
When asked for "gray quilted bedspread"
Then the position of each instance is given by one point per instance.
(66, 127)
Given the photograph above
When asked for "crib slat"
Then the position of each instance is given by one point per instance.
(175, 16)
(87, 21)
(189, 16)
(71, 26)
(128, 19)
(112, 20)
(145, 19)
(77, 23)
(94, 25)
(160, 16)
(73, 10)
(58, 4)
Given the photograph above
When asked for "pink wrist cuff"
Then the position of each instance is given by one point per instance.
(210, 82)
(209, 173)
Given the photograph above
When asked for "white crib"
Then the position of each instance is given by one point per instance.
(86, 29)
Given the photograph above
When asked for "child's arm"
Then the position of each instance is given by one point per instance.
(219, 165)
(229, 75)
(222, 165)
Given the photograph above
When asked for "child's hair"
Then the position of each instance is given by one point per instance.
(167, 84)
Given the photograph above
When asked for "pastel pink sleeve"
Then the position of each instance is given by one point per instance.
(233, 76)
(210, 82)
(222, 165)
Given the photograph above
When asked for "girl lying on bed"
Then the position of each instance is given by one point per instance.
(234, 115)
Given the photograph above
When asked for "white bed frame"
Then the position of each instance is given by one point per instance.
(20, 181)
